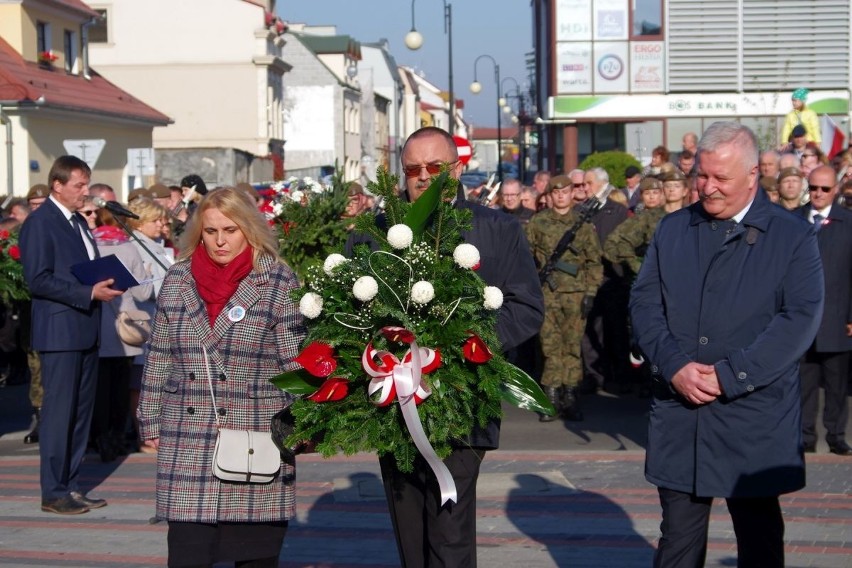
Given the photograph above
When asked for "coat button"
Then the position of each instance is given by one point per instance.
(714, 226)
(703, 340)
(222, 412)
(742, 375)
(221, 376)
(655, 369)
(190, 410)
(192, 376)
(750, 388)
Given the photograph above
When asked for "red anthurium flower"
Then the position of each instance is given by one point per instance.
(398, 334)
(318, 359)
(335, 388)
(14, 252)
(475, 350)
(476, 266)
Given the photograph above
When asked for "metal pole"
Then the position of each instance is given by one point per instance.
(499, 131)
(10, 177)
(448, 28)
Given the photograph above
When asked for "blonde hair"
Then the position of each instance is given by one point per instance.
(239, 208)
(147, 209)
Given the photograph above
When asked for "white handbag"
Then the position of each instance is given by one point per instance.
(242, 455)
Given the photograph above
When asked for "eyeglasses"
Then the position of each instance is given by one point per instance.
(89, 212)
(431, 169)
(822, 188)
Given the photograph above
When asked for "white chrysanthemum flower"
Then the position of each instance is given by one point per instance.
(332, 261)
(400, 236)
(466, 255)
(493, 297)
(311, 305)
(422, 292)
(277, 209)
(297, 196)
(365, 288)
(315, 187)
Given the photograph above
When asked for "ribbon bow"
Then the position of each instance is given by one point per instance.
(402, 380)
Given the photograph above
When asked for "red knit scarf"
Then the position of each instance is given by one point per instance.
(216, 283)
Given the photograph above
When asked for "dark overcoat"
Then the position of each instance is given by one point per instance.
(749, 302)
(176, 405)
(835, 247)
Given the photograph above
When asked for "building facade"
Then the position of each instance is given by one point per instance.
(635, 74)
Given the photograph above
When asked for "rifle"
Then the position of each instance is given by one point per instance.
(486, 195)
(587, 210)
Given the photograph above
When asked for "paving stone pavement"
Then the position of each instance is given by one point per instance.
(557, 495)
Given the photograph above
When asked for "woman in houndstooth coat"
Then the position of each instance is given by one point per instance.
(228, 296)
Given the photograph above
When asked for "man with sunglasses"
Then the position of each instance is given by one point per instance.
(428, 534)
(827, 360)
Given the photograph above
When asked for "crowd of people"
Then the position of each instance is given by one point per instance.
(628, 302)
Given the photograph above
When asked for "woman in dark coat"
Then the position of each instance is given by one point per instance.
(230, 297)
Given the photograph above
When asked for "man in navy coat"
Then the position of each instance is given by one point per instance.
(428, 534)
(728, 299)
(65, 327)
(827, 360)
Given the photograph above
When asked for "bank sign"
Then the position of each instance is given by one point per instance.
(692, 105)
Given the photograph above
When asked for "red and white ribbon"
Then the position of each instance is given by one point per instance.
(402, 380)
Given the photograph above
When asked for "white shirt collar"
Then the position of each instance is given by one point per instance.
(65, 211)
(739, 216)
(824, 212)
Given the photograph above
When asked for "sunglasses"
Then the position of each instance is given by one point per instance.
(88, 213)
(431, 169)
(822, 188)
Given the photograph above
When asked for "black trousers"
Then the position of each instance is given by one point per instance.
(427, 534)
(758, 525)
(831, 370)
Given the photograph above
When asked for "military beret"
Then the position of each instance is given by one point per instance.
(674, 175)
(37, 191)
(354, 189)
(650, 182)
(159, 191)
(559, 182)
(768, 183)
(799, 130)
(137, 193)
(790, 172)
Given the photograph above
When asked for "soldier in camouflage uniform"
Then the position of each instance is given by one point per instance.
(567, 295)
(626, 245)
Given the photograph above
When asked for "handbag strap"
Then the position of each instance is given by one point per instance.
(210, 384)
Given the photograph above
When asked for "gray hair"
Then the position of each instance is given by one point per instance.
(601, 175)
(721, 133)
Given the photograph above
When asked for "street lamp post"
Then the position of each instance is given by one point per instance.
(413, 41)
(475, 88)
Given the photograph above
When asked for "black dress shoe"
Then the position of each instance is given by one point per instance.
(64, 506)
(840, 448)
(87, 502)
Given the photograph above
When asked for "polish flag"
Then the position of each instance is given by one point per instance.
(833, 139)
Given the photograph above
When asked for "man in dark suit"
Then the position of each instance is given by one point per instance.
(827, 360)
(729, 297)
(428, 534)
(65, 326)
